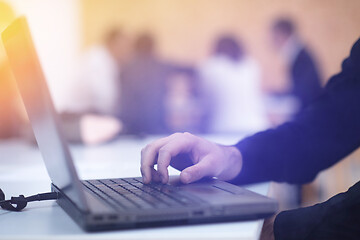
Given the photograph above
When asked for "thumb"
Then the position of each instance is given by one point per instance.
(197, 171)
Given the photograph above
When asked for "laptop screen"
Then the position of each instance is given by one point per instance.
(31, 82)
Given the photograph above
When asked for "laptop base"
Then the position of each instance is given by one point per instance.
(93, 222)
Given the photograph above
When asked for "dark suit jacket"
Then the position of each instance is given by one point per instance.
(321, 135)
(143, 89)
(305, 78)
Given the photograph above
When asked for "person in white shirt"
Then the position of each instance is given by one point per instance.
(99, 78)
(91, 116)
(232, 80)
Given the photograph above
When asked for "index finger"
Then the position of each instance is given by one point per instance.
(149, 156)
(182, 144)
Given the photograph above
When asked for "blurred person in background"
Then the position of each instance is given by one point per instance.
(305, 88)
(143, 88)
(303, 72)
(183, 104)
(98, 87)
(91, 115)
(232, 80)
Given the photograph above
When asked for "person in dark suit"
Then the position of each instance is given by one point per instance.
(304, 75)
(326, 131)
(143, 88)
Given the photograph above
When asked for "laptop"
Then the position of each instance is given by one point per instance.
(121, 203)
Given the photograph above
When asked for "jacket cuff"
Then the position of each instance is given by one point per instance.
(252, 167)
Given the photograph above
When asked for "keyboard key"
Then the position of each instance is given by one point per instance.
(131, 180)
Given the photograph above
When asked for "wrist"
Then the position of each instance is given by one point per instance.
(232, 163)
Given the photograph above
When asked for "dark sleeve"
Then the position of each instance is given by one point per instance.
(306, 79)
(337, 218)
(322, 134)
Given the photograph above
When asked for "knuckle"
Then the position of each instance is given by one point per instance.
(187, 134)
(177, 135)
(162, 169)
(190, 137)
(143, 151)
(147, 148)
(163, 151)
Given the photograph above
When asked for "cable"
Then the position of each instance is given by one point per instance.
(21, 201)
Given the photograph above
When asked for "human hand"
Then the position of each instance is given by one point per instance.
(195, 157)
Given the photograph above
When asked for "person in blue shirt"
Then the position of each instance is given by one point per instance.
(323, 133)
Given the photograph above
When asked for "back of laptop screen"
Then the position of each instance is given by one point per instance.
(36, 97)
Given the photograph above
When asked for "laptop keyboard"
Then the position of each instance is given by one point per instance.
(131, 193)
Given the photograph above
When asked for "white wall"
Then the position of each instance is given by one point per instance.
(55, 27)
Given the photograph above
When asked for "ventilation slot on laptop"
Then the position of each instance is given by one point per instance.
(98, 218)
(162, 217)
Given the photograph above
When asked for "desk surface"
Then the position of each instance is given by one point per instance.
(23, 172)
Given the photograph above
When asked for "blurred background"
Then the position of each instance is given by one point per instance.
(140, 67)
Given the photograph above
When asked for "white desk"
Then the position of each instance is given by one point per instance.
(23, 172)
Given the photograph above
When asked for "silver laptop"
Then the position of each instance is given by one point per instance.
(105, 204)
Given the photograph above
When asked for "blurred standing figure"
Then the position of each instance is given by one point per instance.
(97, 91)
(305, 79)
(305, 88)
(93, 106)
(143, 89)
(183, 104)
(232, 80)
